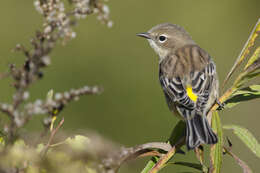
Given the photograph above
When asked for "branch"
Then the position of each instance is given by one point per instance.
(56, 105)
(53, 132)
(57, 25)
(126, 154)
(244, 52)
(160, 164)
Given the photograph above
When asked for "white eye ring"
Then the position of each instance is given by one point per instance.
(162, 38)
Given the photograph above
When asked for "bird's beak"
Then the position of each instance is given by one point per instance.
(144, 35)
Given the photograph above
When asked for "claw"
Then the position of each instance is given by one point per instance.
(221, 106)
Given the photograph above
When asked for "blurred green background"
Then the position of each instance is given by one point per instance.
(132, 109)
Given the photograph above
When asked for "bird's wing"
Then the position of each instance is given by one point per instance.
(191, 95)
(175, 91)
(202, 83)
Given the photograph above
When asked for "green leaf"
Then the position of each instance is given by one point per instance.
(242, 95)
(150, 164)
(216, 150)
(246, 137)
(250, 73)
(177, 133)
(190, 165)
(154, 160)
(253, 58)
(246, 49)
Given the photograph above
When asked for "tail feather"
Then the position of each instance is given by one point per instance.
(198, 131)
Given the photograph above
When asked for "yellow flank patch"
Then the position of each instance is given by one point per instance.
(190, 94)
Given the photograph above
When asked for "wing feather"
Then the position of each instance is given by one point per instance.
(200, 80)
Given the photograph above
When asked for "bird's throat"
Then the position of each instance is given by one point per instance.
(159, 50)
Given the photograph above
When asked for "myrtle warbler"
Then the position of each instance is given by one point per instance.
(189, 80)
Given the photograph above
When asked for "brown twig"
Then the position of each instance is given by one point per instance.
(241, 163)
(143, 150)
(167, 156)
(8, 109)
(53, 132)
(57, 104)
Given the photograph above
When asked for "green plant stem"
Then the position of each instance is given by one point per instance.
(222, 99)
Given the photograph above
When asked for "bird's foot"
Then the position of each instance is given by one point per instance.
(221, 106)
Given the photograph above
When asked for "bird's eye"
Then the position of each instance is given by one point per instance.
(162, 38)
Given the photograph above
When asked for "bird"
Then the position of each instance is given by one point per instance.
(188, 78)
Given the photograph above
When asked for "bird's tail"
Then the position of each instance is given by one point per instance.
(198, 131)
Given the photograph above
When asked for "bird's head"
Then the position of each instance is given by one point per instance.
(166, 37)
